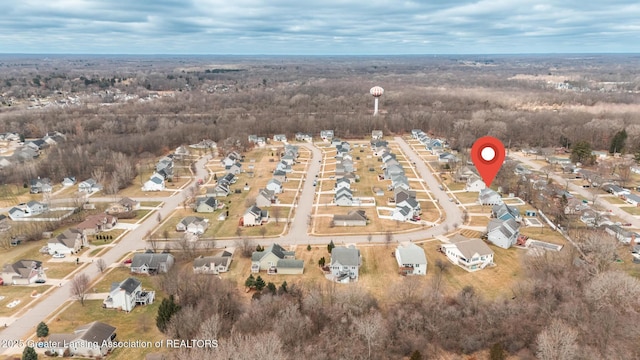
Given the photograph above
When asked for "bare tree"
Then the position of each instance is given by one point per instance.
(246, 247)
(275, 211)
(101, 265)
(80, 287)
(371, 328)
(557, 342)
(388, 238)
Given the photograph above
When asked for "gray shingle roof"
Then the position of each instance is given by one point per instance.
(345, 256)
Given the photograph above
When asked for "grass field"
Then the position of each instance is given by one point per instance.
(467, 197)
(139, 215)
(59, 270)
(632, 210)
(614, 200)
(17, 292)
(11, 194)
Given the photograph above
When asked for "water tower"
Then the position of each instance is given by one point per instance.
(376, 91)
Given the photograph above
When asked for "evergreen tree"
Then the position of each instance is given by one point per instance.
(331, 246)
(416, 355)
(271, 287)
(167, 309)
(581, 152)
(283, 287)
(617, 142)
(29, 353)
(321, 262)
(42, 330)
(250, 282)
(308, 247)
(260, 284)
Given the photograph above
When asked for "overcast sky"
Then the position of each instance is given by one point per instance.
(319, 27)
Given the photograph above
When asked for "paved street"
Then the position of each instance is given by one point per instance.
(615, 210)
(297, 234)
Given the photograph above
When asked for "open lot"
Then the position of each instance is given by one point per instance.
(17, 292)
(139, 215)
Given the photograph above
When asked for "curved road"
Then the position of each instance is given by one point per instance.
(297, 234)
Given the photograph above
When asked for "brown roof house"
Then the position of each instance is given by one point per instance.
(97, 223)
(69, 242)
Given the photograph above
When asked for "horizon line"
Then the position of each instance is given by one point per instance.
(318, 55)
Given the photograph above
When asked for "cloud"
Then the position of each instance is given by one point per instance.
(318, 27)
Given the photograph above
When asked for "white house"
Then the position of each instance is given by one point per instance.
(343, 183)
(326, 135)
(127, 294)
(632, 199)
(193, 224)
(155, 183)
(469, 254)
(280, 137)
(274, 185)
(376, 134)
(213, 264)
(345, 264)
(254, 216)
(503, 233)
(475, 184)
(68, 242)
(89, 186)
(489, 197)
(411, 259)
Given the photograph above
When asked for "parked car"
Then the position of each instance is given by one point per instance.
(128, 261)
(40, 281)
(58, 256)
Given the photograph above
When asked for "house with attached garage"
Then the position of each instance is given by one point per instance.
(97, 223)
(475, 183)
(235, 168)
(632, 199)
(125, 205)
(68, 242)
(352, 218)
(446, 158)
(127, 294)
(17, 213)
(624, 236)
(255, 216)
(615, 190)
(411, 259)
(284, 167)
(220, 190)
(376, 134)
(505, 212)
(92, 340)
(274, 185)
(266, 198)
(36, 208)
(69, 181)
(206, 205)
(22, 272)
(193, 224)
(304, 137)
(89, 186)
(343, 197)
(469, 254)
(276, 260)
(164, 167)
(342, 183)
(503, 233)
(489, 197)
(155, 183)
(280, 137)
(40, 186)
(345, 264)
(151, 263)
(213, 265)
(326, 135)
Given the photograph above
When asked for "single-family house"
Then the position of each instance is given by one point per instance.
(447, 158)
(475, 183)
(326, 135)
(181, 151)
(206, 204)
(274, 185)
(40, 185)
(89, 186)
(69, 181)
(304, 137)
(220, 190)
(376, 134)
(22, 272)
(489, 197)
(280, 175)
(231, 158)
(164, 167)
(36, 207)
(343, 197)
(151, 263)
(266, 198)
(411, 259)
(345, 264)
(94, 224)
(402, 213)
(624, 236)
(280, 137)
(235, 168)
(213, 265)
(68, 242)
(127, 294)
(283, 166)
(503, 233)
(352, 218)
(92, 340)
(632, 199)
(276, 260)
(17, 213)
(469, 254)
(129, 204)
(505, 212)
(254, 216)
(193, 224)
(342, 183)
(155, 183)
(575, 206)
(615, 190)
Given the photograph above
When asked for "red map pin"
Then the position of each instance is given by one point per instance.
(487, 154)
